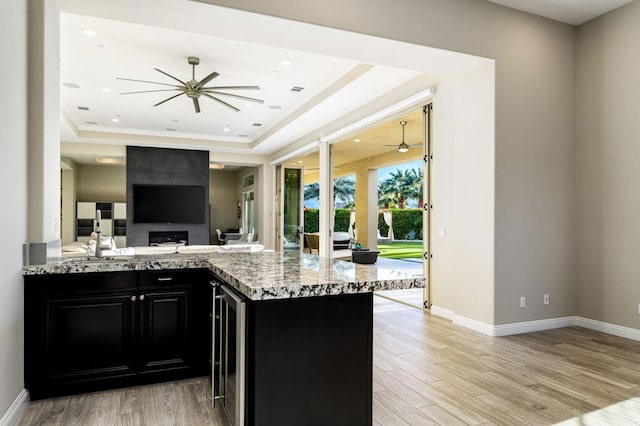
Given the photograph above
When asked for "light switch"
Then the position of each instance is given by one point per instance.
(442, 232)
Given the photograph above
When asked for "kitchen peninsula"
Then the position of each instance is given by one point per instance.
(301, 352)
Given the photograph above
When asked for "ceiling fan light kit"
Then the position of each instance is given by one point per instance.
(403, 147)
(194, 89)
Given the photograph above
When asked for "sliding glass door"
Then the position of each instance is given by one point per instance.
(290, 208)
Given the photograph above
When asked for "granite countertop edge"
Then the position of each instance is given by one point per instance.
(241, 278)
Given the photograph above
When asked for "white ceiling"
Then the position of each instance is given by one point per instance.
(573, 12)
(343, 74)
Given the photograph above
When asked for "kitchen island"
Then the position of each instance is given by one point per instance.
(297, 346)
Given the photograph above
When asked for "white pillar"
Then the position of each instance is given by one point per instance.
(372, 210)
(43, 122)
(326, 201)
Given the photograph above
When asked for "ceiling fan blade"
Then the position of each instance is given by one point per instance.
(196, 105)
(233, 88)
(168, 99)
(221, 101)
(260, 101)
(206, 80)
(150, 91)
(145, 81)
(169, 75)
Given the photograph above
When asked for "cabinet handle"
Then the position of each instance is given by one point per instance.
(142, 297)
(165, 279)
(133, 298)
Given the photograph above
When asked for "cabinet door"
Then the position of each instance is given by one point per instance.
(86, 210)
(119, 210)
(89, 337)
(165, 321)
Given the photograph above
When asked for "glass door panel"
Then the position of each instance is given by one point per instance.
(292, 208)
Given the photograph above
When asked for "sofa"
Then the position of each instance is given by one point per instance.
(341, 240)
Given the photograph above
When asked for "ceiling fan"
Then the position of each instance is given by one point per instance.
(194, 89)
(404, 147)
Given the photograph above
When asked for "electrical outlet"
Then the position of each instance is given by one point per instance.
(545, 299)
(523, 302)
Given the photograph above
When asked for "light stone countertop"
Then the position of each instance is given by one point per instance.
(259, 276)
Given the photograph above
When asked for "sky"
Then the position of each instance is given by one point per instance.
(383, 173)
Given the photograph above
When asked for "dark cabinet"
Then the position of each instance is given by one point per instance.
(86, 332)
(89, 337)
(289, 362)
(164, 321)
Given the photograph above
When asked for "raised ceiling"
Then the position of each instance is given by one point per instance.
(342, 75)
(383, 139)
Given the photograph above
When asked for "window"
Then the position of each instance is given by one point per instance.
(248, 180)
(248, 211)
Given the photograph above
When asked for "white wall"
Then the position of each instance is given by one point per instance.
(463, 182)
(44, 121)
(534, 131)
(68, 227)
(101, 183)
(13, 214)
(223, 193)
(608, 154)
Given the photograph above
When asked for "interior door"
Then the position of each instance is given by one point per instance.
(291, 208)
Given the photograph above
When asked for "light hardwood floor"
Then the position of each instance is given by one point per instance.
(426, 371)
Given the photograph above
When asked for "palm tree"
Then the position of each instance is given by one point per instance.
(344, 189)
(399, 185)
(415, 187)
(312, 191)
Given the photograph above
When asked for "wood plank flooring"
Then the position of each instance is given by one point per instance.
(426, 372)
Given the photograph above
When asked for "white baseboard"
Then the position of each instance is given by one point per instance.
(442, 312)
(475, 325)
(538, 325)
(531, 326)
(12, 415)
(605, 327)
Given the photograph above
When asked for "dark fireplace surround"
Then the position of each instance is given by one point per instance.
(164, 166)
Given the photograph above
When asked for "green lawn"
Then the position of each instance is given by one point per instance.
(401, 250)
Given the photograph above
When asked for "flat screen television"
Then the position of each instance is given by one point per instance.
(168, 204)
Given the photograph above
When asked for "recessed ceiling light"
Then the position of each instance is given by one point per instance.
(257, 124)
(243, 136)
(356, 140)
(286, 62)
(248, 105)
(105, 90)
(101, 45)
(226, 129)
(175, 120)
(71, 85)
(89, 33)
(171, 129)
(299, 161)
(83, 108)
(115, 119)
(110, 160)
(275, 107)
(276, 70)
(91, 122)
